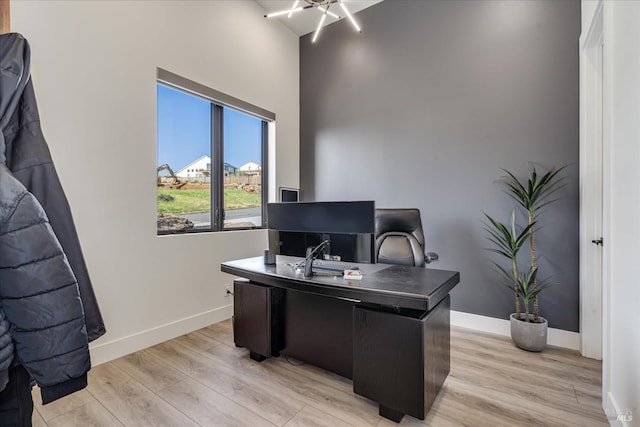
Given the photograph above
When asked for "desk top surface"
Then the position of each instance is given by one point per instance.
(393, 285)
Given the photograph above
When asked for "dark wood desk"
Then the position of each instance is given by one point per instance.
(389, 332)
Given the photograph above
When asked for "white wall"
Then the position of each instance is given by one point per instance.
(622, 33)
(621, 366)
(94, 69)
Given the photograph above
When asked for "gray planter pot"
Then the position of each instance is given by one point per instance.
(528, 335)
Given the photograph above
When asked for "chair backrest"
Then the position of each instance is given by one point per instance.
(399, 237)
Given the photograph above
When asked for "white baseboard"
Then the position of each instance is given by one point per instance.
(617, 417)
(555, 337)
(107, 351)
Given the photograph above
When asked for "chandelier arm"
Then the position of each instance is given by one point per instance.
(315, 35)
(353, 21)
(295, 4)
(287, 11)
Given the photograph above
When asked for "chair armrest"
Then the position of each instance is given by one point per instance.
(430, 256)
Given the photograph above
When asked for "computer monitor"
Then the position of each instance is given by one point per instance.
(289, 194)
(349, 227)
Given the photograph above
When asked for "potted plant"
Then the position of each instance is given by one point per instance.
(528, 331)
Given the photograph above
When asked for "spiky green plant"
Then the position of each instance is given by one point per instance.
(523, 286)
(533, 195)
(507, 242)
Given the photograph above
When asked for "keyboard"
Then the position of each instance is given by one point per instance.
(329, 265)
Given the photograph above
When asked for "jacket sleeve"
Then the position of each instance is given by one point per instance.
(6, 350)
(40, 298)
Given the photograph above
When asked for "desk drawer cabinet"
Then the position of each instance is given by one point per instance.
(400, 361)
(256, 323)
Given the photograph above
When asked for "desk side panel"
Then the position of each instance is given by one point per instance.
(401, 361)
(318, 330)
(388, 360)
(254, 312)
(437, 347)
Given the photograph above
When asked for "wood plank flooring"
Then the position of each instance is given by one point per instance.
(202, 379)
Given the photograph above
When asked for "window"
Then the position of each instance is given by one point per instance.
(212, 161)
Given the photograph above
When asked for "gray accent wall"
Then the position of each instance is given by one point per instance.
(424, 108)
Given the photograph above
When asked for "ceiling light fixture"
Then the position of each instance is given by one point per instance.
(295, 4)
(315, 35)
(323, 7)
(327, 12)
(284, 12)
(353, 21)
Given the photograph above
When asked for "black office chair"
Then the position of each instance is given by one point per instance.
(400, 239)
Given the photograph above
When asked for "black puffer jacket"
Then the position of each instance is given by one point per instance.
(39, 295)
(29, 159)
(38, 290)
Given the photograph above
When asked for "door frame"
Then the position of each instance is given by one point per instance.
(594, 197)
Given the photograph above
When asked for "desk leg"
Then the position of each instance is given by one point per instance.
(256, 356)
(390, 414)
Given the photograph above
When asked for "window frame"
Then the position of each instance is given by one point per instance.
(219, 101)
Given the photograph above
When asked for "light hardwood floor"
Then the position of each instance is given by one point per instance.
(202, 379)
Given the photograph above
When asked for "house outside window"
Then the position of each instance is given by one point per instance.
(202, 135)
